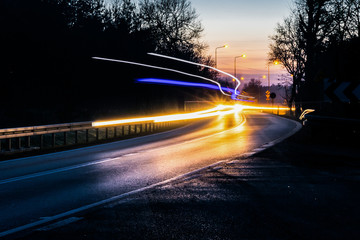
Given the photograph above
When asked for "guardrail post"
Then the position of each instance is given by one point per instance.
(76, 137)
(28, 142)
(115, 132)
(65, 135)
(41, 141)
(19, 142)
(87, 135)
(9, 144)
(141, 128)
(122, 130)
(53, 139)
(106, 133)
(97, 134)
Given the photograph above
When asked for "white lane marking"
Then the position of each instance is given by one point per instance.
(130, 154)
(248, 154)
(124, 195)
(60, 223)
(64, 169)
(217, 168)
(263, 147)
(282, 138)
(91, 147)
(259, 149)
(234, 161)
(276, 141)
(102, 202)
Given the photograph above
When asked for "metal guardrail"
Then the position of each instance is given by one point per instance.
(58, 135)
(45, 129)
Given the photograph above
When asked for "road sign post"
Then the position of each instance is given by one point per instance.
(272, 96)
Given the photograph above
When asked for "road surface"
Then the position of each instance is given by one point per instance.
(37, 190)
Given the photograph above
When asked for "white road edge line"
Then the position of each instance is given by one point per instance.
(64, 169)
(280, 139)
(274, 142)
(91, 147)
(102, 202)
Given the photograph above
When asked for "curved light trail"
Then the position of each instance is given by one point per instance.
(189, 84)
(203, 65)
(216, 111)
(219, 110)
(162, 68)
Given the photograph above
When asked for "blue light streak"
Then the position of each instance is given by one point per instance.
(191, 84)
(234, 92)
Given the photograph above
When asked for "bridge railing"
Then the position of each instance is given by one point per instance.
(23, 139)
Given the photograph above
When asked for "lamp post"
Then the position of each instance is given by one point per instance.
(268, 91)
(243, 56)
(225, 46)
(275, 63)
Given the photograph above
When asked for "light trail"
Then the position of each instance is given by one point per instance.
(162, 68)
(167, 118)
(235, 93)
(306, 111)
(219, 110)
(188, 84)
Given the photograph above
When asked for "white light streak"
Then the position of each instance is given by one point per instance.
(162, 68)
(201, 65)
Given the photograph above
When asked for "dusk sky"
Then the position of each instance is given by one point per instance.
(245, 25)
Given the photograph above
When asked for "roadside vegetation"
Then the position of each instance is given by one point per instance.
(48, 75)
(319, 40)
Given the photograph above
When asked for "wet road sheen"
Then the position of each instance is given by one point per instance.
(34, 188)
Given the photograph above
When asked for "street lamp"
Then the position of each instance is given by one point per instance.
(243, 56)
(225, 46)
(275, 63)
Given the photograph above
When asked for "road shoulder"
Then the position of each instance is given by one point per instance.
(293, 190)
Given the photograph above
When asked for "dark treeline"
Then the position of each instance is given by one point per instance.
(47, 73)
(319, 40)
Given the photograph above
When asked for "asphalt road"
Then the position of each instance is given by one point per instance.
(38, 190)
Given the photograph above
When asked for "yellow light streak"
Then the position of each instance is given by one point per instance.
(265, 108)
(306, 111)
(219, 110)
(165, 118)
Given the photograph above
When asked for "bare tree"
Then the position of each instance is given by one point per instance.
(287, 47)
(315, 28)
(352, 10)
(124, 13)
(174, 25)
(346, 19)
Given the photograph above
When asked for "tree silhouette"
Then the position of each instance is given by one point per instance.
(47, 72)
(316, 32)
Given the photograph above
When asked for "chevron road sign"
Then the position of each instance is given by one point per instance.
(335, 91)
(267, 95)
